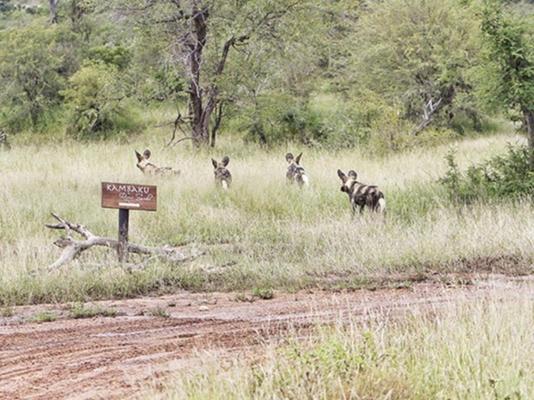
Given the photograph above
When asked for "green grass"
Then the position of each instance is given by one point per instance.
(159, 312)
(7, 312)
(263, 293)
(44, 316)
(262, 234)
(472, 350)
(80, 310)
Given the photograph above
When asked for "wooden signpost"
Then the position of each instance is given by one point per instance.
(126, 197)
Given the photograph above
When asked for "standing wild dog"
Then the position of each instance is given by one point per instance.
(295, 172)
(148, 168)
(223, 177)
(361, 195)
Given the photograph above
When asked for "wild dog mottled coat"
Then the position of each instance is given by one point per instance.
(223, 177)
(361, 195)
(295, 172)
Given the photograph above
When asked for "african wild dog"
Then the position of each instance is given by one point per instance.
(148, 168)
(4, 144)
(295, 172)
(223, 177)
(361, 195)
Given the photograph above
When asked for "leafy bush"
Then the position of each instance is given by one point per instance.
(329, 121)
(410, 51)
(321, 121)
(31, 65)
(96, 99)
(118, 56)
(508, 175)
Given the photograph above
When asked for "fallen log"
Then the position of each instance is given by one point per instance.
(72, 247)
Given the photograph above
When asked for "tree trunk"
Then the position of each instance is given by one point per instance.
(529, 121)
(199, 112)
(199, 128)
(217, 124)
(53, 11)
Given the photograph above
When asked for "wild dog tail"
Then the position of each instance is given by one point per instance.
(305, 180)
(382, 204)
(224, 185)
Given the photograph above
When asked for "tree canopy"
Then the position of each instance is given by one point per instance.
(332, 73)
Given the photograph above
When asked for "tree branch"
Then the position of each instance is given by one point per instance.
(72, 248)
(429, 110)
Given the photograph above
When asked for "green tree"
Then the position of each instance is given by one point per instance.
(200, 36)
(95, 98)
(418, 54)
(32, 62)
(509, 63)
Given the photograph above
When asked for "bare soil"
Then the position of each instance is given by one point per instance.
(117, 357)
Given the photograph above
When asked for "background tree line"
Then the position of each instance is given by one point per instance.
(334, 73)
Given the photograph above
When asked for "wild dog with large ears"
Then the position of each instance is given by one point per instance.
(361, 195)
(148, 168)
(223, 177)
(295, 172)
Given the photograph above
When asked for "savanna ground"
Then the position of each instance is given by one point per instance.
(262, 236)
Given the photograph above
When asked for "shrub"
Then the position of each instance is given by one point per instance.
(118, 56)
(263, 293)
(508, 175)
(322, 120)
(96, 100)
(31, 65)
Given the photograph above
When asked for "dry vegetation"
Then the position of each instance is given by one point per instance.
(470, 350)
(262, 233)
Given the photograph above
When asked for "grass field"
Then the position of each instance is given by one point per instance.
(478, 351)
(260, 235)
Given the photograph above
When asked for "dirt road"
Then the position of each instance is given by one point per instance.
(114, 357)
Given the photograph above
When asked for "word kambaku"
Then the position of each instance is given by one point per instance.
(129, 196)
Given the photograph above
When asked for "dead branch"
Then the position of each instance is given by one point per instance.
(177, 125)
(182, 139)
(429, 110)
(72, 247)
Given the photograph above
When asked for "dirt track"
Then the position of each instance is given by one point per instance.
(114, 357)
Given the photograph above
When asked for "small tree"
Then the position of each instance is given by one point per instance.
(510, 62)
(200, 36)
(31, 65)
(418, 54)
(94, 98)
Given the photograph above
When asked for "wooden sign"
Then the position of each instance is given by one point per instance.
(126, 197)
(129, 196)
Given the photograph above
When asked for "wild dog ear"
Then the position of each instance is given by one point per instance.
(139, 156)
(353, 174)
(297, 160)
(147, 154)
(289, 157)
(342, 176)
(215, 164)
(225, 161)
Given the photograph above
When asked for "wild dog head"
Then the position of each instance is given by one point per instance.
(223, 177)
(361, 195)
(148, 168)
(347, 181)
(295, 172)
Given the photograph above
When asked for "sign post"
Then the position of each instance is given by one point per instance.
(124, 221)
(126, 197)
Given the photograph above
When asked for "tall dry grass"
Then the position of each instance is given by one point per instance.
(469, 350)
(262, 233)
